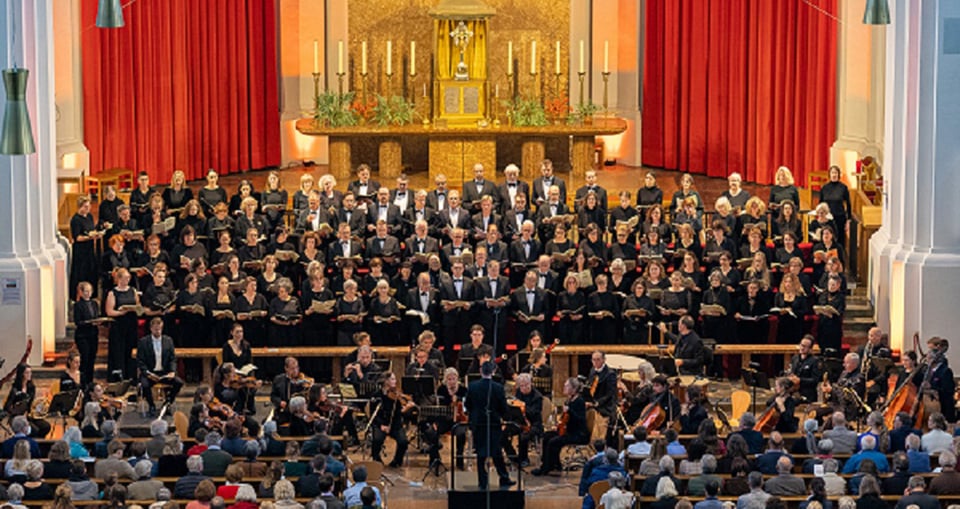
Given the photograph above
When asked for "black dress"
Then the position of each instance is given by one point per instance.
(570, 332)
(87, 337)
(123, 335)
(283, 334)
(318, 329)
(346, 329)
(83, 266)
(384, 333)
(830, 329)
(192, 327)
(790, 327)
(635, 329)
(239, 360)
(254, 329)
(837, 196)
(717, 327)
(221, 326)
(210, 198)
(603, 330)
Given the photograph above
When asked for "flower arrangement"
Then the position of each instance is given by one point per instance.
(525, 112)
(586, 111)
(394, 110)
(334, 109)
(363, 110)
(558, 108)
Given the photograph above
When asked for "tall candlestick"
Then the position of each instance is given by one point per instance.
(340, 57)
(582, 68)
(363, 58)
(606, 56)
(316, 57)
(389, 58)
(509, 58)
(497, 91)
(533, 57)
(558, 57)
(413, 58)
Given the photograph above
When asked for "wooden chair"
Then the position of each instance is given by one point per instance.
(597, 489)
(182, 424)
(740, 402)
(374, 470)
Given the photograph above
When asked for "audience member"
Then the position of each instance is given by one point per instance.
(785, 483)
(947, 482)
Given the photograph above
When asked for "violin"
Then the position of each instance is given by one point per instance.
(215, 406)
(108, 402)
(397, 395)
(244, 382)
(330, 407)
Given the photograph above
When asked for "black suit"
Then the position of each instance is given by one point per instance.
(414, 324)
(357, 221)
(406, 205)
(372, 187)
(390, 248)
(336, 249)
(147, 362)
(304, 223)
(538, 191)
(519, 304)
(512, 220)
(448, 251)
(471, 196)
(486, 404)
(503, 191)
(392, 217)
(412, 214)
(463, 220)
(455, 325)
(494, 320)
(604, 397)
(544, 229)
(412, 246)
(689, 349)
(581, 195)
(522, 252)
(433, 200)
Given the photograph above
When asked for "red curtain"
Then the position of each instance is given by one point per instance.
(186, 85)
(739, 85)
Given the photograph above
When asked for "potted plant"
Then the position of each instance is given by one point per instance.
(333, 109)
(558, 109)
(394, 110)
(525, 112)
(586, 111)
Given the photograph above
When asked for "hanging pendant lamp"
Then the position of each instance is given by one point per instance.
(110, 14)
(16, 137)
(877, 12)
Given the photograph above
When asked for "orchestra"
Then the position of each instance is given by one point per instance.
(483, 284)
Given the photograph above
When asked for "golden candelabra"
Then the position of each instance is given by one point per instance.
(606, 81)
(340, 76)
(363, 88)
(581, 75)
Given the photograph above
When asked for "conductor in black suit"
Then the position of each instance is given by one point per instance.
(157, 362)
(486, 403)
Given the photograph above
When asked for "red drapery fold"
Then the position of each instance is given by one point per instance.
(739, 85)
(186, 85)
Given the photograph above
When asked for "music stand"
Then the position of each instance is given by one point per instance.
(463, 365)
(663, 365)
(755, 378)
(63, 402)
(832, 366)
(117, 389)
(420, 387)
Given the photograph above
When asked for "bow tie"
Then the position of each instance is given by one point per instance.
(478, 182)
(531, 292)
(423, 294)
(457, 280)
(548, 181)
(526, 243)
(420, 241)
(401, 195)
(512, 184)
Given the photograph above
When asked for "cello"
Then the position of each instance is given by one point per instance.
(653, 415)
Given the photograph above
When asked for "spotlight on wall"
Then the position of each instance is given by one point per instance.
(16, 138)
(877, 12)
(110, 14)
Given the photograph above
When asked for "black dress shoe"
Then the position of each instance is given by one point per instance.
(538, 472)
(506, 482)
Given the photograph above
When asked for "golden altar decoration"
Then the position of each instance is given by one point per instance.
(461, 91)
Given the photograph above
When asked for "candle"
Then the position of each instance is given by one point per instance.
(558, 57)
(497, 91)
(363, 58)
(413, 58)
(582, 68)
(389, 58)
(316, 57)
(510, 58)
(533, 57)
(606, 56)
(424, 89)
(340, 56)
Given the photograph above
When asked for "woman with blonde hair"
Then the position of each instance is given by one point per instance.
(273, 201)
(122, 301)
(783, 189)
(178, 193)
(301, 197)
(793, 306)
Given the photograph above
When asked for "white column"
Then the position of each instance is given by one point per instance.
(73, 157)
(620, 23)
(915, 257)
(32, 275)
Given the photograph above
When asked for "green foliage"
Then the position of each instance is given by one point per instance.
(587, 109)
(525, 112)
(394, 110)
(333, 109)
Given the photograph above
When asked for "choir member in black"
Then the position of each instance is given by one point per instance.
(220, 305)
(311, 249)
(108, 214)
(317, 325)
(244, 190)
(83, 265)
(787, 221)
(677, 300)
(157, 363)
(347, 273)
(301, 196)
(650, 195)
(192, 216)
(368, 285)
(754, 244)
(623, 214)
(285, 316)
(20, 400)
(286, 263)
(751, 314)
(493, 292)
(591, 212)
(804, 371)
(364, 187)
(793, 306)
(830, 325)
(456, 296)
(339, 414)
(821, 219)
(602, 311)
(689, 215)
(392, 404)
(787, 250)
(191, 312)
(783, 189)
(140, 196)
(694, 279)
(129, 229)
(116, 256)
(285, 386)
(251, 253)
(939, 376)
(729, 274)
(384, 315)
(220, 221)
(268, 277)
(754, 216)
(601, 391)
(274, 200)
(651, 245)
(349, 312)
(836, 196)
(364, 370)
(655, 281)
(786, 406)
(686, 190)
(758, 271)
(717, 243)
(824, 250)
(121, 305)
(530, 427)
(71, 378)
(87, 334)
(693, 412)
(251, 309)
(636, 324)
(423, 300)
(717, 326)
(620, 280)
(572, 429)
(688, 347)
(155, 218)
(178, 193)
(624, 248)
(530, 309)
(840, 393)
(558, 244)
(552, 207)
(159, 299)
(795, 267)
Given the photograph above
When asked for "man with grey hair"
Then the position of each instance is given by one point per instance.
(824, 451)
(841, 393)
(186, 485)
(948, 481)
(144, 488)
(158, 439)
(617, 497)
(215, 460)
(757, 498)
(753, 437)
(697, 485)
(844, 439)
(109, 430)
(611, 464)
(785, 483)
(21, 431)
(869, 444)
(915, 496)
(835, 485)
(667, 467)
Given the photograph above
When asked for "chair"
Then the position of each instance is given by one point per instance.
(574, 456)
(181, 423)
(597, 489)
(374, 470)
(382, 488)
(740, 401)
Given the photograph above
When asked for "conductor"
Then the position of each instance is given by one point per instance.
(486, 403)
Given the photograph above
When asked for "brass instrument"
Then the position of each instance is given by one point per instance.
(41, 407)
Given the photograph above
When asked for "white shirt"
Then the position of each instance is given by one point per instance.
(401, 200)
(531, 296)
(936, 440)
(424, 300)
(346, 248)
(493, 288)
(157, 350)
(454, 216)
(512, 191)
